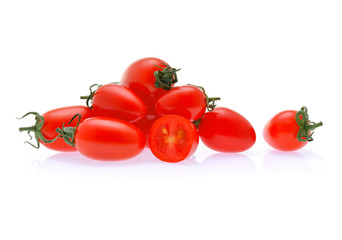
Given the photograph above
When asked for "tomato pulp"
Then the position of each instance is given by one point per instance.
(173, 138)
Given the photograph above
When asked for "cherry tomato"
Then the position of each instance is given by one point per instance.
(186, 101)
(105, 138)
(225, 130)
(116, 100)
(289, 130)
(173, 138)
(140, 77)
(45, 127)
(146, 122)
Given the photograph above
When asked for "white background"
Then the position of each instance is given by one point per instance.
(260, 57)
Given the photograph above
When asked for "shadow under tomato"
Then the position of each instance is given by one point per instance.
(278, 162)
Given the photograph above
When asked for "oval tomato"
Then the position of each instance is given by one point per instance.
(105, 138)
(116, 100)
(45, 127)
(186, 101)
(289, 130)
(173, 138)
(140, 77)
(225, 130)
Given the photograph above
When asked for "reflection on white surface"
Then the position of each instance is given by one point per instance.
(291, 162)
(229, 163)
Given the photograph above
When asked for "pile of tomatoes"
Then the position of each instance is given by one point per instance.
(147, 109)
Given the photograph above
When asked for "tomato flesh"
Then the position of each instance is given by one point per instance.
(280, 132)
(173, 138)
(225, 130)
(105, 138)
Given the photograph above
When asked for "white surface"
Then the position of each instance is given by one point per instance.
(261, 57)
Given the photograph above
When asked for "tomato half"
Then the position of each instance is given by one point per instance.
(105, 138)
(173, 138)
(116, 100)
(283, 131)
(225, 130)
(54, 119)
(139, 76)
(186, 101)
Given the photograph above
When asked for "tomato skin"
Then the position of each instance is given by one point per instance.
(139, 76)
(280, 132)
(146, 122)
(225, 130)
(55, 118)
(186, 101)
(173, 138)
(116, 100)
(106, 138)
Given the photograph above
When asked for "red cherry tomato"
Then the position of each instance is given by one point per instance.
(116, 100)
(105, 138)
(52, 120)
(225, 130)
(283, 131)
(139, 76)
(186, 101)
(146, 122)
(173, 138)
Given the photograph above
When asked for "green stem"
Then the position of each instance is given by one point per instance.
(165, 77)
(306, 126)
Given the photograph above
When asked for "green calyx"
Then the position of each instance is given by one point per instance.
(68, 133)
(209, 100)
(165, 77)
(306, 127)
(36, 129)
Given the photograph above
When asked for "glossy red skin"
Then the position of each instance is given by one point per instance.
(146, 122)
(225, 130)
(185, 101)
(109, 139)
(280, 132)
(55, 118)
(116, 100)
(139, 76)
(179, 148)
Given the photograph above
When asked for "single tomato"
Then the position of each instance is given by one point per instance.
(150, 78)
(105, 138)
(116, 100)
(46, 124)
(173, 138)
(289, 130)
(225, 130)
(186, 101)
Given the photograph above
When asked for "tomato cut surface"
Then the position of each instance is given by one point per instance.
(173, 138)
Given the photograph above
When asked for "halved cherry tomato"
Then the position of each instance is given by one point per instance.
(140, 77)
(45, 127)
(289, 130)
(116, 100)
(186, 101)
(225, 130)
(173, 138)
(105, 138)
